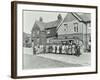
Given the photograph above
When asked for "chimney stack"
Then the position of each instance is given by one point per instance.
(41, 19)
(59, 17)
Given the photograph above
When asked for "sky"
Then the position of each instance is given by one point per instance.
(29, 17)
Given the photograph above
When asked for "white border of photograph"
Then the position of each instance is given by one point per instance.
(23, 72)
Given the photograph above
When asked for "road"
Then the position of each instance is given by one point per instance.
(51, 60)
(38, 62)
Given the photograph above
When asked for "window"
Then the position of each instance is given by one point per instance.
(48, 40)
(38, 40)
(75, 27)
(89, 24)
(66, 37)
(48, 31)
(37, 32)
(33, 34)
(90, 39)
(66, 27)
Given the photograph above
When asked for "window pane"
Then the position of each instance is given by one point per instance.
(38, 40)
(48, 31)
(75, 27)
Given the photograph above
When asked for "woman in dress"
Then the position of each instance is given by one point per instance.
(57, 49)
(53, 46)
(60, 49)
(63, 49)
(46, 48)
(66, 49)
(73, 49)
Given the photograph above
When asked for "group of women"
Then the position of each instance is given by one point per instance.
(70, 49)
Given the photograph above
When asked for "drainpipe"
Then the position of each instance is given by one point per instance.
(82, 33)
(86, 37)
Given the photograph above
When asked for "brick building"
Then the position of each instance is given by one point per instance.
(76, 26)
(42, 32)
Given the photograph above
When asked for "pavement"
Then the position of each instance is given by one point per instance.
(50, 60)
(38, 62)
(84, 59)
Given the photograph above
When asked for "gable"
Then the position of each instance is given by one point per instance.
(35, 27)
(69, 17)
(41, 25)
(73, 16)
(69, 27)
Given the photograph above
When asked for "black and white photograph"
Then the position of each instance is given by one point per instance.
(54, 39)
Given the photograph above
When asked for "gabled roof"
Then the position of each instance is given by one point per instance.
(70, 16)
(43, 25)
(40, 24)
(52, 24)
(84, 17)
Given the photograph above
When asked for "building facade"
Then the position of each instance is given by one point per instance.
(38, 34)
(43, 32)
(75, 26)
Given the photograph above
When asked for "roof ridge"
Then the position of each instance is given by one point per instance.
(52, 21)
(76, 16)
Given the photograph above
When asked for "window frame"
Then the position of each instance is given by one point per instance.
(75, 27)
(66, 27)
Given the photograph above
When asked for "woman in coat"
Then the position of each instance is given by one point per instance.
(60, 49)
(73, 49)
